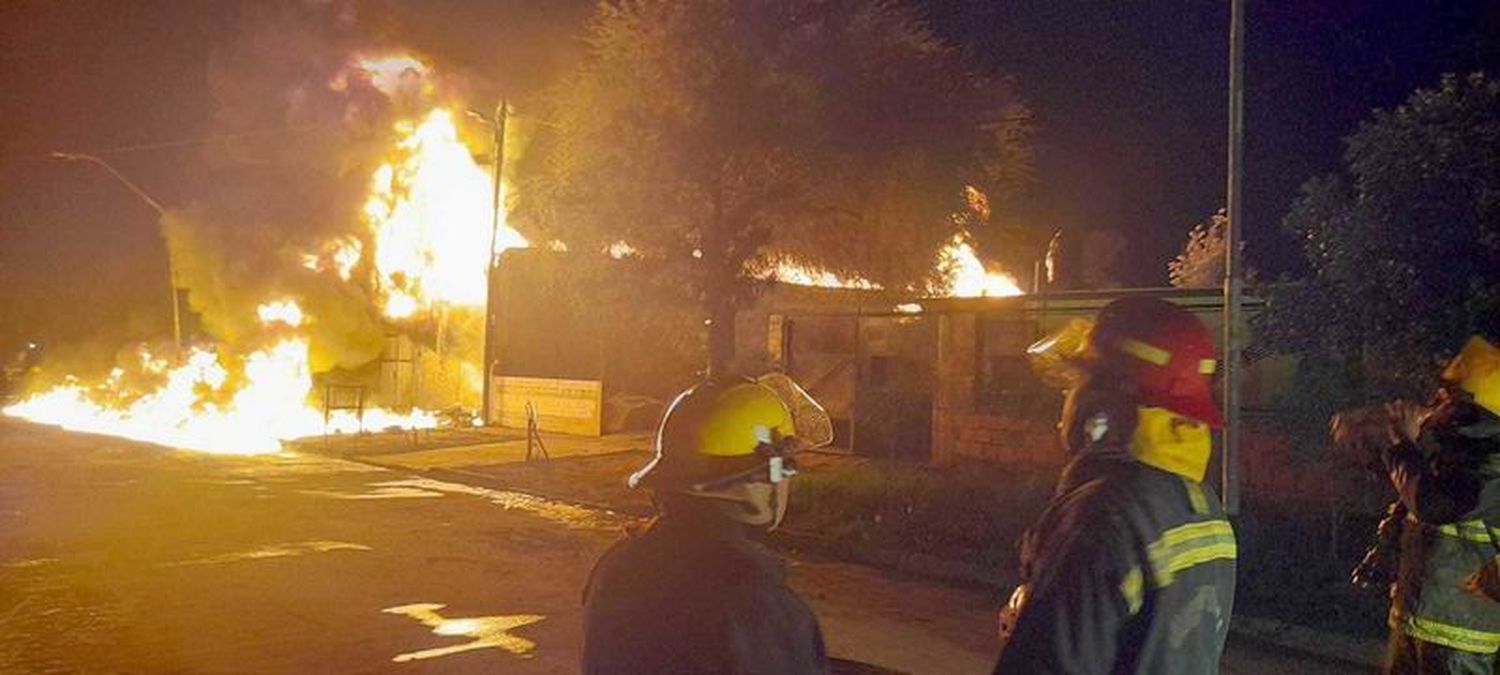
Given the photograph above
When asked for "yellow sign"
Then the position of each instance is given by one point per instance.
(564, 406)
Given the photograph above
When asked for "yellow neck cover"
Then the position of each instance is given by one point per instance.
(1172, 443)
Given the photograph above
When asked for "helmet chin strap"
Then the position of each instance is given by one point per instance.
(755, 503)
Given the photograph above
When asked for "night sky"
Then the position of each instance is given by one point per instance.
(1129, 98)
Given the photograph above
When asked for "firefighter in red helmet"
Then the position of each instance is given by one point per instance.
(1131, 567)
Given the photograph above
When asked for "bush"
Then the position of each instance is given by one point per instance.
(971, 513)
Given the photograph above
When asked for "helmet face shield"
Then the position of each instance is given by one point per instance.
(814, 428)
(1060, 359)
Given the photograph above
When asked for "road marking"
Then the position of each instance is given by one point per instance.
(558, 512)
(387, 492)
(489, 632)
(274, 551)
(32, 562)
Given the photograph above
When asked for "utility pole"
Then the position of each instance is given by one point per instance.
(497, 152)
(1230, 478)
(160, 210)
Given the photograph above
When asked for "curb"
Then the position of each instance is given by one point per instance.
(1322, 645)
(477, 479)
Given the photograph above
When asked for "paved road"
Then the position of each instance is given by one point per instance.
(121, 557)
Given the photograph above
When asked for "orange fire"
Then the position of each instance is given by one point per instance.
(961, 274)
(210, 401)
(788, 272)
(430, 214)
(429, 220)
(281, 311)
(964, 275)
(340, 255)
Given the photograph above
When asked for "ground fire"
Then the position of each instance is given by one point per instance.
(427, 226)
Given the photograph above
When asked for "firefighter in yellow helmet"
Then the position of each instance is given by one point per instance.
(695, 592)
(1131, 567)
(1444, 461)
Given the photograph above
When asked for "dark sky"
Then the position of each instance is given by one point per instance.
(1130, 103)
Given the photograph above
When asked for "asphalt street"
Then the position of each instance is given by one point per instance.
(122, 557)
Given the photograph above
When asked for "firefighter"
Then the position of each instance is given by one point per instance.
(1445, 464)
(695, 593)
(1131, 567)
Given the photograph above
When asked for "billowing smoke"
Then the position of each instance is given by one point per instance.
(307, 125)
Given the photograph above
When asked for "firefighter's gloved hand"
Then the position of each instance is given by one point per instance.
(1406, 419)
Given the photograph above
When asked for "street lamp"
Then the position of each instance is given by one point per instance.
(497, 153)
(160, 210)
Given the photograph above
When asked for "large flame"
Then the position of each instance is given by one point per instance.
(429, 218)
(960, 272)
(209, 401)
(796, 274)
(430, 214)
(964, 275)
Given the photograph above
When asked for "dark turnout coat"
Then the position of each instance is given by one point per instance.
(1449, 482)
(693, 594)
(1130, 570)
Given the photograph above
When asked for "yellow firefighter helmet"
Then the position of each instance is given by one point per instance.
(1476, 370)
(727, 430)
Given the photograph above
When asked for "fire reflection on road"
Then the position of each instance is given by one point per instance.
(274, 551)
(489, 632)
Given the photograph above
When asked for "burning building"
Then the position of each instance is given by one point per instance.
(386, 298)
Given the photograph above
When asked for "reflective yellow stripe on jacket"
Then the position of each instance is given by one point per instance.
(1448, 635)
(1472, 530)
(1453, 636)
(1188, 545)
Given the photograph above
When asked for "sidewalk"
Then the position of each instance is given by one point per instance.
(592, 472)
(587, 471)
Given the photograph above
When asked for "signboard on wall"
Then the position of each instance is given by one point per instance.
(563, 406)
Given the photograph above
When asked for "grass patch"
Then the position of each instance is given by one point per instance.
(1289, 568)
(974, 513)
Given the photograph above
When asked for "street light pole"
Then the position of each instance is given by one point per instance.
(160, 210)
(1232, 274)
(497, 152)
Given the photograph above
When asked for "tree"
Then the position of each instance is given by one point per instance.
(717, 137)
(1403, 244)
(1201, 262)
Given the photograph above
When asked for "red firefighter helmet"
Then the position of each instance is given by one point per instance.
(1165, 351)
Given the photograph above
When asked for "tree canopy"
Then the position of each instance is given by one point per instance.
(716, 137)
(1201, 262)
(1403, 244)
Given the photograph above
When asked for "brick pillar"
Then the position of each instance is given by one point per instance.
(953, 397)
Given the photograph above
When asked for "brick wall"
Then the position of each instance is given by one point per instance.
(960, 430)
(1003, 439)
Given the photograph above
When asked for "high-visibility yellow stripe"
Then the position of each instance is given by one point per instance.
(1448, 635)
(1207, 366)
(1189, 545)
(1196, 498)
(1197, 556)
(1472, 530)
(1132, 588)
(1191, 531)
(1146, 352)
